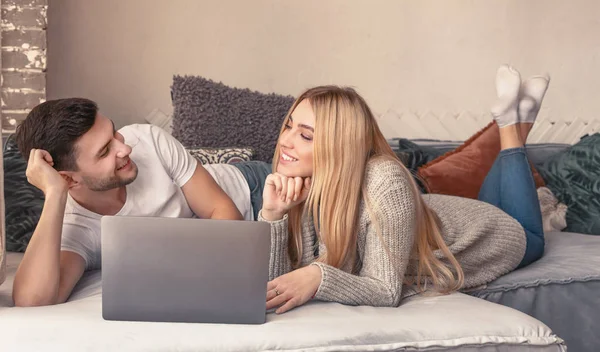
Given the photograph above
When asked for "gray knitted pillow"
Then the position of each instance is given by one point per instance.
(211, 114)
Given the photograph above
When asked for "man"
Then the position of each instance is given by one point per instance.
(87, 169)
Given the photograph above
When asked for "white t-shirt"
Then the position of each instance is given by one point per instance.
(164, 166)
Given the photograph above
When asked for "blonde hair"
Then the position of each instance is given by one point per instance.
(346, 137)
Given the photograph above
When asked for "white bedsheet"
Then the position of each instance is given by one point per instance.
(450, 323)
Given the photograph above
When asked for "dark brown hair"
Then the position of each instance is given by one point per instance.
(55, 126)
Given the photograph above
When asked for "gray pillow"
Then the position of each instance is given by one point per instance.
(211, 114)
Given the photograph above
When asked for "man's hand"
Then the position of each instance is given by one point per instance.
(293, 289)
(40, 173)
(281, 193)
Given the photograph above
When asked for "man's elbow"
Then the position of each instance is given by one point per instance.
(237, 215)
(227, 216)
(227, 212)
(234, 212)
(33, 300)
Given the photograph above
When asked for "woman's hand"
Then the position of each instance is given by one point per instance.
(293, 289)
(281, 193)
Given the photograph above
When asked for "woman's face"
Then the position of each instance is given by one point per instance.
(296, 143)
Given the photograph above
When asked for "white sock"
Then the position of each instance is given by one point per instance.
(508, 83)
(532, 94)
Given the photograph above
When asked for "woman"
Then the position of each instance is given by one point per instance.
(349, 225)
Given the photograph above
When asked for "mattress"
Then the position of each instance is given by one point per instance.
(562, 289)
(455, 322)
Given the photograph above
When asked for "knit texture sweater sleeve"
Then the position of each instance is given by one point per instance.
(386, 242)
(279, 262)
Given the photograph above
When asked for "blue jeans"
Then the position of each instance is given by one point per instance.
(509, 186)
(255, 173)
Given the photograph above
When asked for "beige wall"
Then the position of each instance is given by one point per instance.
(412, 55)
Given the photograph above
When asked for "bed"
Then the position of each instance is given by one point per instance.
(562, 289)
(456, 322)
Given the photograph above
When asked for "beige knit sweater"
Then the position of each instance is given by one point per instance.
(486, 241)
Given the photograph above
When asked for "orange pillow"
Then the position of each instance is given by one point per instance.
(462, 171)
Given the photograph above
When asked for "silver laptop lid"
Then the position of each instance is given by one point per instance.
(184, 270)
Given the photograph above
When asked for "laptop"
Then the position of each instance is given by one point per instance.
(184, 270)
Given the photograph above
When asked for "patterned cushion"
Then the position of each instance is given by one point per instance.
(23, 201)
(221, 155)
(573, 175)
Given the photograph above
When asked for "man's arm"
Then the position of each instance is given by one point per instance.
(204, 196)
(207, 199)
(46, 275)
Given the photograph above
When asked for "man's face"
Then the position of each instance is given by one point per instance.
(103, 158)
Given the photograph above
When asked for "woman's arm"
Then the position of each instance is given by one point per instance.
(281, 194)
(280, 262)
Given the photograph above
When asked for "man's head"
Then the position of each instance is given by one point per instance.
(84, 145)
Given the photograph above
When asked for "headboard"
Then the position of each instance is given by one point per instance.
(459, 126)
